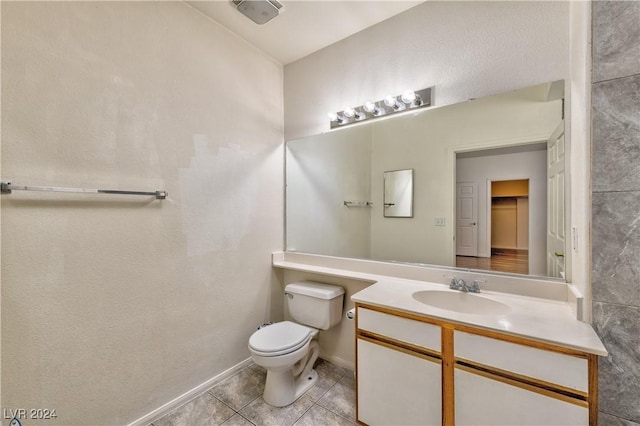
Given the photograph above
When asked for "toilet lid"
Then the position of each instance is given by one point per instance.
(279, 338)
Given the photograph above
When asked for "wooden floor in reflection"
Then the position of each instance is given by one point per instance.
(501, 260)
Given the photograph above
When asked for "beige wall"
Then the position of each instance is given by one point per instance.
(112, 305)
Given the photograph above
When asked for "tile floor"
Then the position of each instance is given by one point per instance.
(237, 401)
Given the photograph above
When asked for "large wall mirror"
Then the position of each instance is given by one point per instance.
(488, 186)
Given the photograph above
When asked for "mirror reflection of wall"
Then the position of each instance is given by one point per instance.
(437, 143)
(322, 172)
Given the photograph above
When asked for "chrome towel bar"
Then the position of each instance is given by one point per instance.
(8, 187)
(358, 203)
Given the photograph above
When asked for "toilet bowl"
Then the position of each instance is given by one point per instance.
(288, 350)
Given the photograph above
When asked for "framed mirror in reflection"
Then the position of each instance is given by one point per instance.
(488, 187)
(398, 193)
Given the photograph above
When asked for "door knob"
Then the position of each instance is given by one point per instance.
(558, 254)
(472, 224)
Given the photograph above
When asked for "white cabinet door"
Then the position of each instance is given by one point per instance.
(484, 401)
(395, 388)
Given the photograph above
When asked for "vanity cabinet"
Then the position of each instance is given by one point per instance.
(418, 370)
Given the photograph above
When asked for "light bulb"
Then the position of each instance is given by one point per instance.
(352, 112)
(372, 108)
(349, 112)
(408, 97)
(335, 117)
(392, 102)
(369, 107)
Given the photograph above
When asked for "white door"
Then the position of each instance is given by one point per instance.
(556, 232)
(467, 219)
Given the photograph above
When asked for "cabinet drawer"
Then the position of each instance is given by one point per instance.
(398, 328)
(565, 370)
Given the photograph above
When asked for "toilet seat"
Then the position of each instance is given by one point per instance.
(280, 338)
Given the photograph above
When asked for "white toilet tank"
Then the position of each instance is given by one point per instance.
(314, 304)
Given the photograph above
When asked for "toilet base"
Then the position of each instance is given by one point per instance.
(285, 385)
(281, 389)
(303, 384)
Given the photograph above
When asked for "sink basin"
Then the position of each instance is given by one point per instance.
(464, 303)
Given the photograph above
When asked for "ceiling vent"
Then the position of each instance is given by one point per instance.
(259, 11)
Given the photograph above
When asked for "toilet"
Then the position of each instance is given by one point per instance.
(288, 349)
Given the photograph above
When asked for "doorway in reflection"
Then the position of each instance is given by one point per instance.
(509, 224)
(496, 222)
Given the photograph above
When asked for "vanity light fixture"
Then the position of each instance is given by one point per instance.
(389, 105)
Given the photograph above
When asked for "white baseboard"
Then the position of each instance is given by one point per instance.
(338, 361)
(188, 395)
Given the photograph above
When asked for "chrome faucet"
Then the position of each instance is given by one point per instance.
(458, 284)
(475, 285)
(461, 285)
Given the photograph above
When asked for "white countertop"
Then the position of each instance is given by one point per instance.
(537, 319)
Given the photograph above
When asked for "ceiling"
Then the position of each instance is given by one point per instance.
(305, 26)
